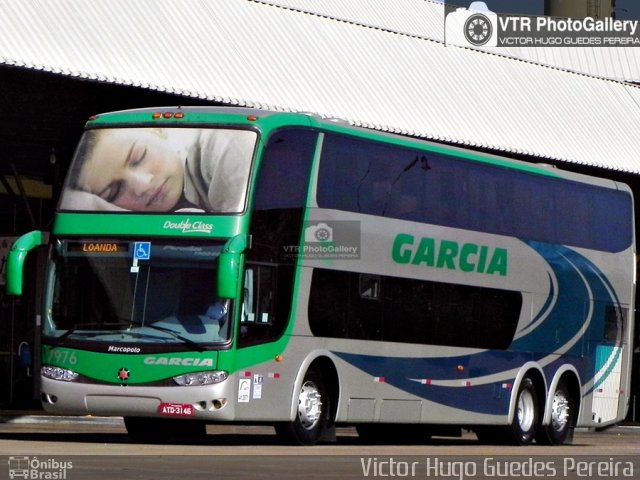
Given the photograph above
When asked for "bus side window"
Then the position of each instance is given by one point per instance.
(248, 313)
(257, 321)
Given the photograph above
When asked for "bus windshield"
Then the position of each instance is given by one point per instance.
(160, 170)
(135, 292)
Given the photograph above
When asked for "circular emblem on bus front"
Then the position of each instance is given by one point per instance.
(478, 29)
(123, 374)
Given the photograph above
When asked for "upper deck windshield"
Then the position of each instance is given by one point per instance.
(160, 170)
(103, 291)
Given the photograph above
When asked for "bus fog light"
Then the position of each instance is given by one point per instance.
(57, 373)
(201, 378)
(50, 399)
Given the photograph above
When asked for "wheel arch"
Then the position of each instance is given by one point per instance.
(535, 373)
(568, 374)
(322, 361)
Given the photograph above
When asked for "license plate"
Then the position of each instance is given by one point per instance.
(176, 409)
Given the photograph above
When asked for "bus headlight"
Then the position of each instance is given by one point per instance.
(201, 378)
(57, 373)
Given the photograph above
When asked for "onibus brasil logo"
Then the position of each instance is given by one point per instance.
(34, 468)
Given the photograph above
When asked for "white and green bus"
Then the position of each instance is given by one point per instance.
(211, 265)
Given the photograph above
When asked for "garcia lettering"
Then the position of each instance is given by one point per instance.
(449, 254)
(176, 361)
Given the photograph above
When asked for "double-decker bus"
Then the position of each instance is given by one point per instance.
(212, 265)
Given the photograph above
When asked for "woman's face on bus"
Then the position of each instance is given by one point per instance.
(134, 169)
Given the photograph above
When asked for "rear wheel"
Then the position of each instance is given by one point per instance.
(563, 417)
(312, 414)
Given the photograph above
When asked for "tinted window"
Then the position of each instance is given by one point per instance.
(160, 170)
(380, 179)
(411, 311)
(276, 223)
(284, 171)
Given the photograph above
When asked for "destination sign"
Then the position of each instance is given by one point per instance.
(98, 247)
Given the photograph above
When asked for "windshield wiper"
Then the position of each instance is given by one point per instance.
(173, 333)
(62, 338)
(58, 341)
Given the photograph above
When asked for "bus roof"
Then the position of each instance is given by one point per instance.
(268, 120)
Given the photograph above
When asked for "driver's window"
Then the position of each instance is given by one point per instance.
(248, 313)
(258, 306)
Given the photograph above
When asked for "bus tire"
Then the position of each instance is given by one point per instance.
(525, 419)
(312, 412)
(522, 429)
(563, 417)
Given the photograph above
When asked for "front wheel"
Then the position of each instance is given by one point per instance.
(563, 418)
(312, 414)
(522, 429)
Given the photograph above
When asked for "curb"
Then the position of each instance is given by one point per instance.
(44, 419)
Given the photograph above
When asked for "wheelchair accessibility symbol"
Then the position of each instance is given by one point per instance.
(142, 250)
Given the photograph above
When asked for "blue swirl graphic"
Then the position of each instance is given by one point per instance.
(574, 323)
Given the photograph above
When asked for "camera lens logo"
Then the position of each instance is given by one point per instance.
(323, 234)
(318, 233)
(476, 26)
(478, 29)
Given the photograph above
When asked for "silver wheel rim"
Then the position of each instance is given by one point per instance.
(526, 410)
(560, 411)
(309, 405)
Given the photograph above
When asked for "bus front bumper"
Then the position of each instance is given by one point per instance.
(209, 402)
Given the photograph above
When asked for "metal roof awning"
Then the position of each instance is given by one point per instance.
(425, 19)
(374, 73)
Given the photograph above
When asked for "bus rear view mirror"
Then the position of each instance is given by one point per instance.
(17, 256)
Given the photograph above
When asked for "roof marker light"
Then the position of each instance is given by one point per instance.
(252, 118)
(156, 115)
(167, 114)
